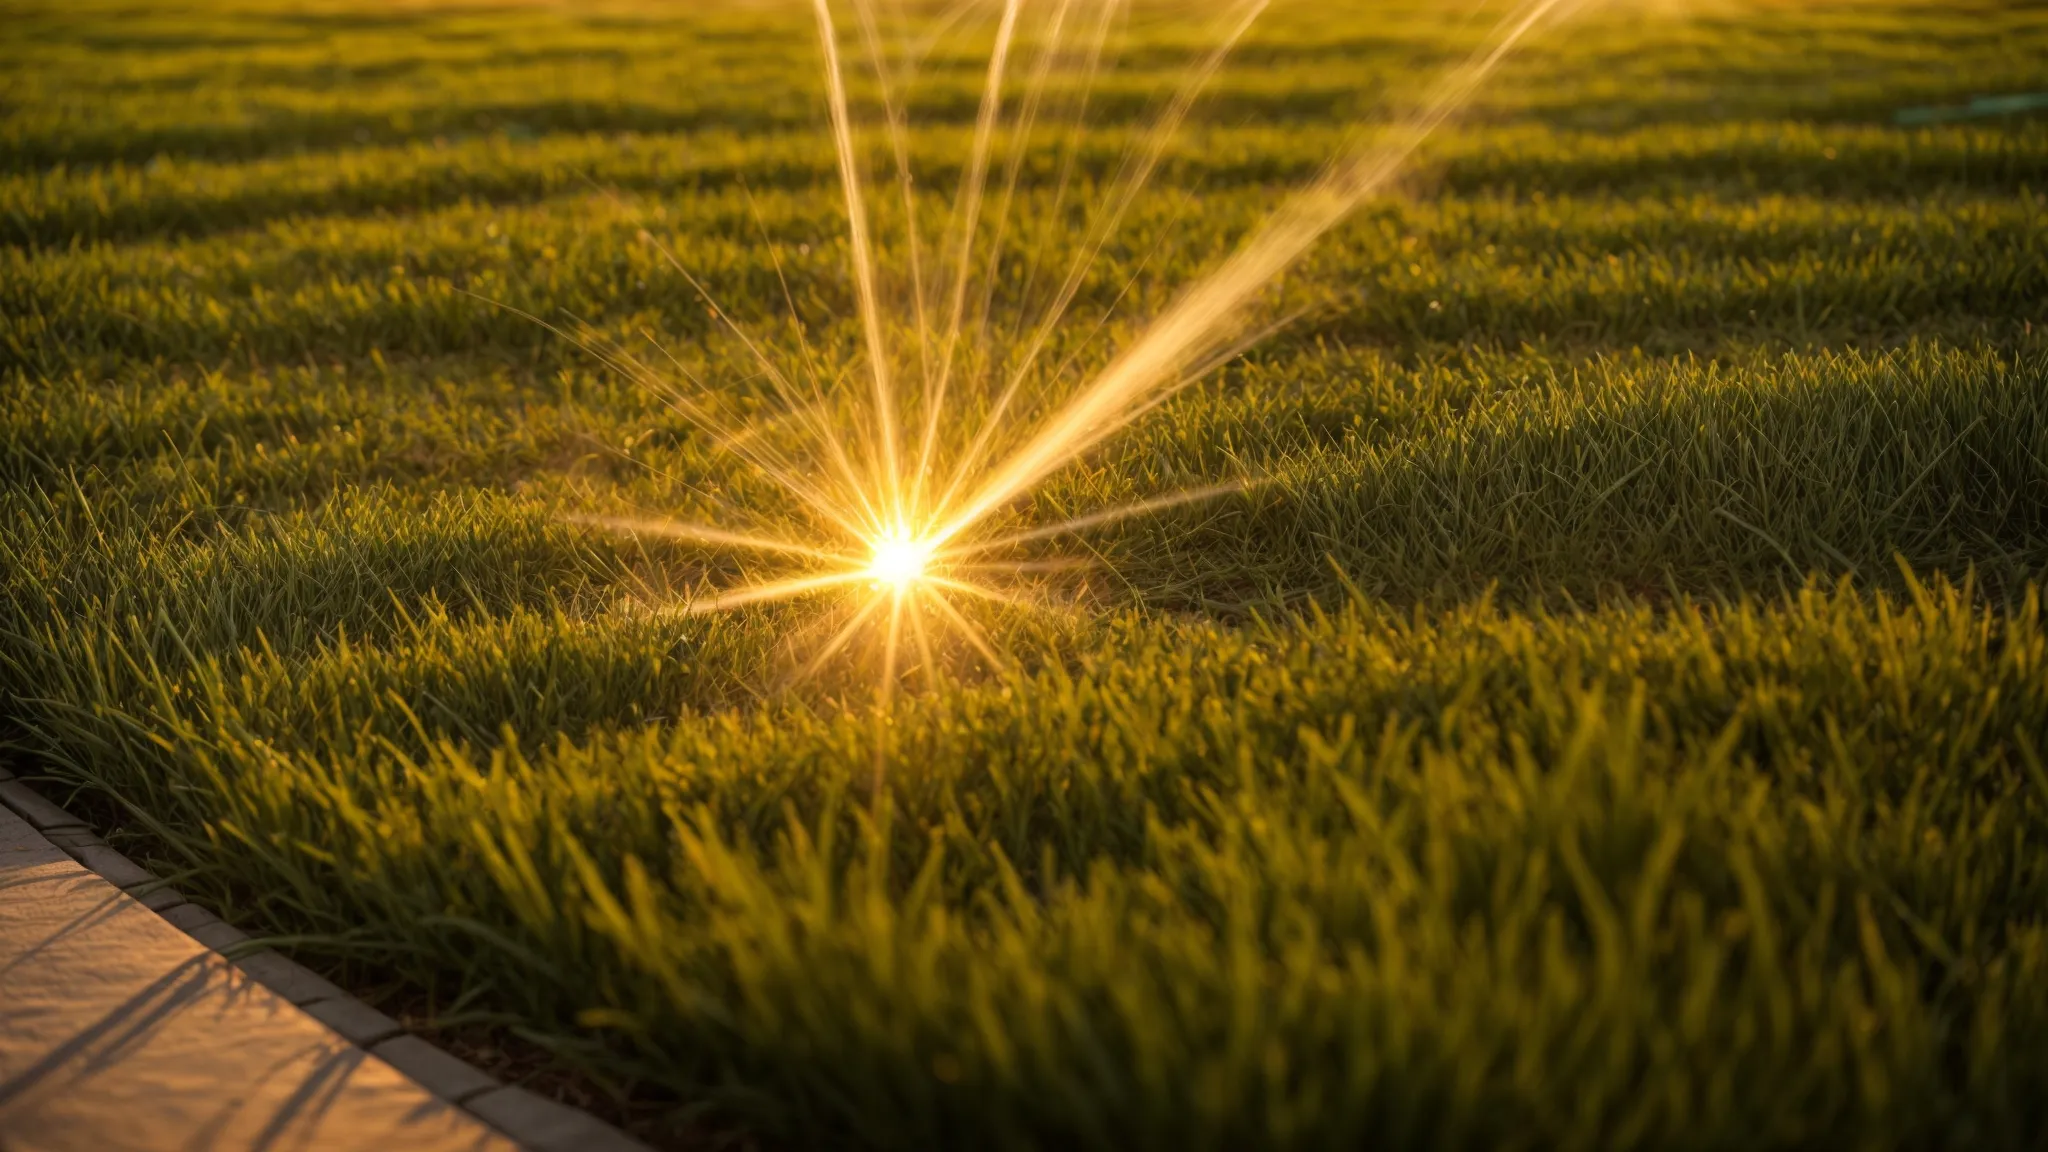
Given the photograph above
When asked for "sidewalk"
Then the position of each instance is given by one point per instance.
(123, 1030)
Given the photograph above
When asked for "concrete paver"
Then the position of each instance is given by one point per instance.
(437, 1071)
(119, 1032)
(547, 1126)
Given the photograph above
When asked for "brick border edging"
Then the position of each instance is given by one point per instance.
(528, 1119)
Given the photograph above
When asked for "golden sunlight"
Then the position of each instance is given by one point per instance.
(899, 561)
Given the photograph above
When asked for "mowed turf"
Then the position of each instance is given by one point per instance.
(1616, 714)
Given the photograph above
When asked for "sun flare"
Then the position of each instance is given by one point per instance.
(899, 561)
(912, 457)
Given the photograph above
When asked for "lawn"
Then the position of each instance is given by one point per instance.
(1607, 708)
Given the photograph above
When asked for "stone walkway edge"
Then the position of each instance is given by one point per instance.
(526, 1118)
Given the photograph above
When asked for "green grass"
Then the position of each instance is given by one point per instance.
(1617, 717)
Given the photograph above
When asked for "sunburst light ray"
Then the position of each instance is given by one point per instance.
(761, 593)
(1206, 310)
(863, 259)
(991, 416)
(1107, 516)
(706, 534)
